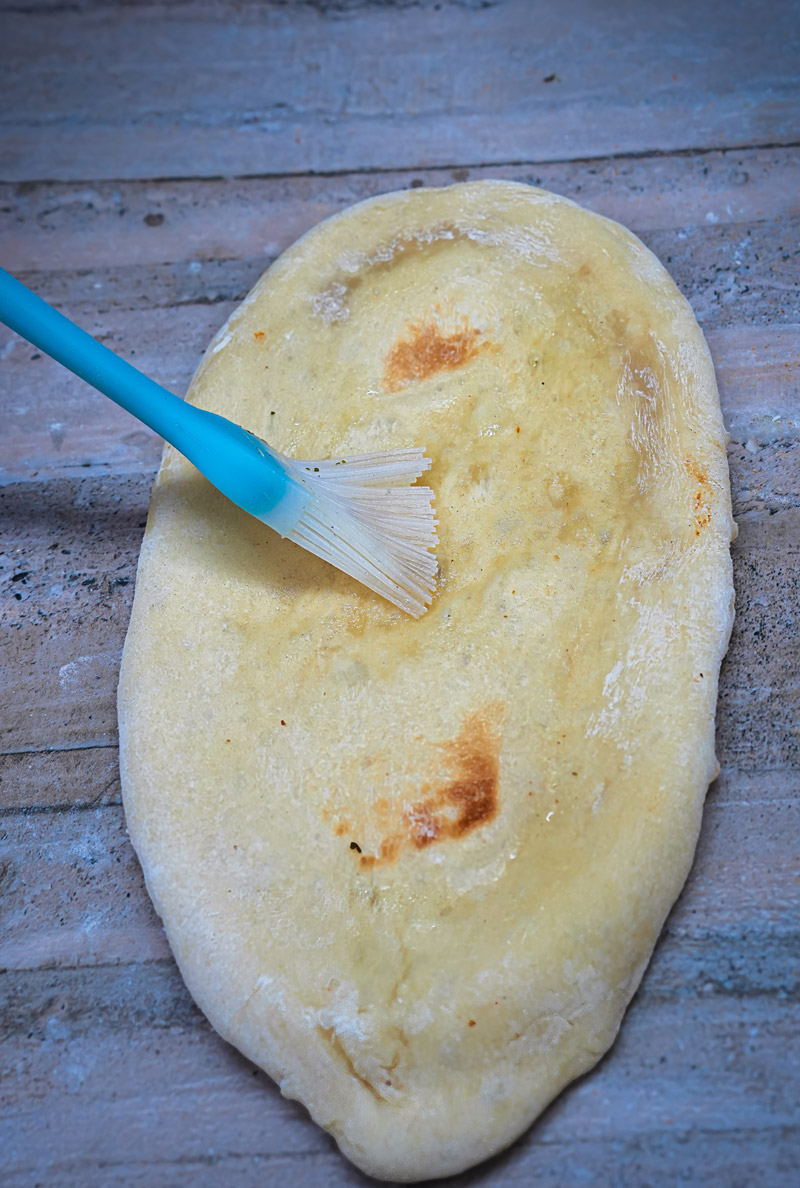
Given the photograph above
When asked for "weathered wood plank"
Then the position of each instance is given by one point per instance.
(52, 227)
(162, 297)
(224, 89)
(63, 623)
(86, 777)
(758, 374)
(758, 710)
(204, 1110)
(55, 421)
(739, 274)
(73, 893)
(173, 280)
(727, 1159)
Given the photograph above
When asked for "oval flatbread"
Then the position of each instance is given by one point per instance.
(415, 869)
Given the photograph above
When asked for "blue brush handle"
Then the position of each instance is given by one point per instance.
(234, 460)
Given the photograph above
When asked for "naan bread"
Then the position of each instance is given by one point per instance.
(415, 869)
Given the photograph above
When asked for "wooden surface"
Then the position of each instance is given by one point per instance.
(153, 160)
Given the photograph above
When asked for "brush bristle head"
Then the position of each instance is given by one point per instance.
(366, 519)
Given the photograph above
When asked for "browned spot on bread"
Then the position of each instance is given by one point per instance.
(427, 350)
(695, 470)
(702, 497)
(451, 807)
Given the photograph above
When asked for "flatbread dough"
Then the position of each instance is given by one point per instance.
(415, 869)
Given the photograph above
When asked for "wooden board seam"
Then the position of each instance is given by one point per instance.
(452, 166)
(89, 745)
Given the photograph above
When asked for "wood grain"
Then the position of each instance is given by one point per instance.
(154, 158)
(63, 622)
(205, 1111)
(82, 777)
(222, 89)
(186, 253)
(103, 226)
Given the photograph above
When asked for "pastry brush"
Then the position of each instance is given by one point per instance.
(360, 513)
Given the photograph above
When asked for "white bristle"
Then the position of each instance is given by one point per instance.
(367, 520)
